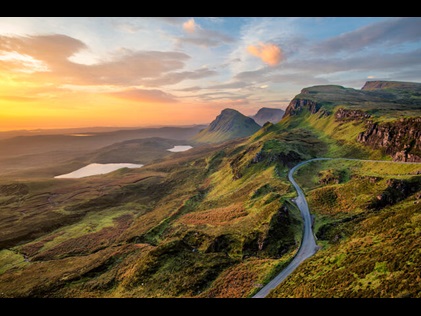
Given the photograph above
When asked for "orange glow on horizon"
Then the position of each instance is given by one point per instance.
(41, 87)
(88, 110)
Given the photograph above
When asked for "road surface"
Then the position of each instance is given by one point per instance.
(308, 245)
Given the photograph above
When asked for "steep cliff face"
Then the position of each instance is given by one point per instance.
(296, 106)
(401, 139)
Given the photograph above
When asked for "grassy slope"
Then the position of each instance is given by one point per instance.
(215, 221)
(367, 252)
(189, 225)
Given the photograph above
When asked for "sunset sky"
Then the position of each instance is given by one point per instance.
(144, 71)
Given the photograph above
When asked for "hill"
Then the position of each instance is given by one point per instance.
(228, 125)
(219, 220)
(380, 117)
(268, 115)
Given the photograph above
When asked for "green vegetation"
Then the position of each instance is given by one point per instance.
(366, 252)
(186, 222)
(217, 220)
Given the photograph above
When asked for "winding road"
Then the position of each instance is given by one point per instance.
(308, 245)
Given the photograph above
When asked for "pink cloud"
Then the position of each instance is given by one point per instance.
(190, 26)
(269, 53)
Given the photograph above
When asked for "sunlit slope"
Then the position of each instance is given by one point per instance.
(186, 226)
(367, 220)
(365, 212)
(218, 220)
(380, 121)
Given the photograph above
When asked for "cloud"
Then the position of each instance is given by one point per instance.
(189, 26)
(144, 95)
(20, 63)
(176, 77)
(269, 53)
(52, 48)
(393, 31)
(174, 20)
(302, 77)
(254, 74)
(128, 27)
(230, 85)
(375, 61)
(237, 102)
(191, 89)
(134, 67)
(319, 69)
(126, 67)
(202, 37)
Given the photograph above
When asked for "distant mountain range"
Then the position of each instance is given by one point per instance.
(271, 115)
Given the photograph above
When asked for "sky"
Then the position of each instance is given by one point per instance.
(64, 72)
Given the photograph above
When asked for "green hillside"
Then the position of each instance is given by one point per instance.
(219, 220)
(368, 223)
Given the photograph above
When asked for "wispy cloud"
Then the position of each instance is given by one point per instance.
(196, 35)
(144, 95)
(125, 68)
(176, 77)
(190, 89)
(389, 32)
(174, 20)
(229, 85)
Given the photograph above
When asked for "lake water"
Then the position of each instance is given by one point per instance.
(177, 149)
(95, 169)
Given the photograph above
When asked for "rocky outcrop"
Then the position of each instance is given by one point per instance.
(275, 240)
(296, 106)
(351, 115)
(289, 159)
(397, 190)
(401, 139)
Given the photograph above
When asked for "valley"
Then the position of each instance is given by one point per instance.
(221, 218)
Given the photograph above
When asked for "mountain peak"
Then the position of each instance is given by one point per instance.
(229, 111)
(229, 124)
(271, 115)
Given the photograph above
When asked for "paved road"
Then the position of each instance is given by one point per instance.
(308, 245)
